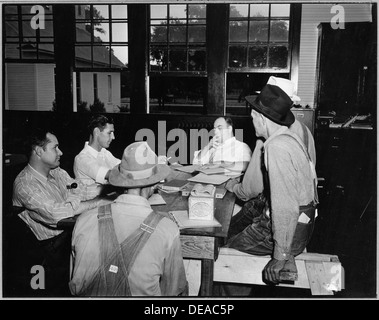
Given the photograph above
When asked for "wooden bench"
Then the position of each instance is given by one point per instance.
(322, 273)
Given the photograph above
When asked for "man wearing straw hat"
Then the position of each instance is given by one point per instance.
(127, 249)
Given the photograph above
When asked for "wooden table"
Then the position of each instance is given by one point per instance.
(201, 243)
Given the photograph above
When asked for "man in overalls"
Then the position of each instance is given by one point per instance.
(127, 249)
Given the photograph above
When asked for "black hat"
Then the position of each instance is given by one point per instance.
(274, 104)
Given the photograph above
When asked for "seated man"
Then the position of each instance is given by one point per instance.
(224, 148)
(283, 225)
(48, 194)
(251, 187)
(104, 262)
(94, 162)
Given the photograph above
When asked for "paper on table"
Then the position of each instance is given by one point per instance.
(156, 199)
(209, 179)
(183, 221)
(189, 169)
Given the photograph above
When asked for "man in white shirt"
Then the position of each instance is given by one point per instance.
(94, 162)
(224, 148)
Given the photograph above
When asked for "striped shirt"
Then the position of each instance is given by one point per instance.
(47, 200)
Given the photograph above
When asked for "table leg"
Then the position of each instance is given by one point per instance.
(206, 289)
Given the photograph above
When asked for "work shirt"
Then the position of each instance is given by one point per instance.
(232, 150)
(291, 185)
(252, 183)
(158, 269)
(91, 166)
(47, 200)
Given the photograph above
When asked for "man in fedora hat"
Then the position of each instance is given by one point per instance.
(251, 187)
(127, 248)
(283, 225)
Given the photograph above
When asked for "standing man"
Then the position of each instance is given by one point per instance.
(48, 194)
(224, 147)
(283, 226)
(94, 162)
(127, 249)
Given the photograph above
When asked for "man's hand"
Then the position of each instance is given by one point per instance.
(271, 272)
(230, 184)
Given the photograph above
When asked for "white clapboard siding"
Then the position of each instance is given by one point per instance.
(45, 86)
(21, 90)
(312, 16)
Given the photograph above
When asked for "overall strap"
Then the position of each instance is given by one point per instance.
(133, 244)
(312, 166)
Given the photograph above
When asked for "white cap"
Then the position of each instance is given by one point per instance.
(286, 85)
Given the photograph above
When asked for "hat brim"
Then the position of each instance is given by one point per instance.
(267, 112)
(118, 179)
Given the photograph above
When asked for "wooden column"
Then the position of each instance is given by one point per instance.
(64, 52)
(217, 52)
(138, 19)
(294, 55)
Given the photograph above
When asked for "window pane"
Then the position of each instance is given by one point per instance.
(27, 32)
(278, 56)
(196, 60)
(158, 59)
(177, 60)
(46, 51)
(178, 11)
(83, 32)
(197, 11)
(238, 31)
(237, 56)
(100, 12)
(177, 95)
(257, 57)
(119, 32)
(259, 10)
(29, 51)
(280, 10)
(258, 31)
(239, 10)
(101, 31)
(11, 30)
(10, 10)
(196, 34)
(101, 57)
(158, 11)
(11, 51)
(158, 34)
(279, 30)
(119, 12)
(119, 56)
(83, 56)
(48, 30)
(177, 34)
(177, 21)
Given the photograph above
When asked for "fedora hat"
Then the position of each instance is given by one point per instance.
(274, 104)
(139, 167)
(286, 85)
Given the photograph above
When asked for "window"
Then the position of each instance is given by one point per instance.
(177, 57)
(259, 46)
(101, 46)
(259, 37)
(27, 36)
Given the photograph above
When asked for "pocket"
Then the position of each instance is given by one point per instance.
(303, 231)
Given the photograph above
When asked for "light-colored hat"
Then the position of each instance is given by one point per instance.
(286, 85)
(138, 168)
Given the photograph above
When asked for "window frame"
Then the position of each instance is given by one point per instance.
(269, 43)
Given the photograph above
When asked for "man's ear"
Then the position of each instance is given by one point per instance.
(96, 131)
(38, 150)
